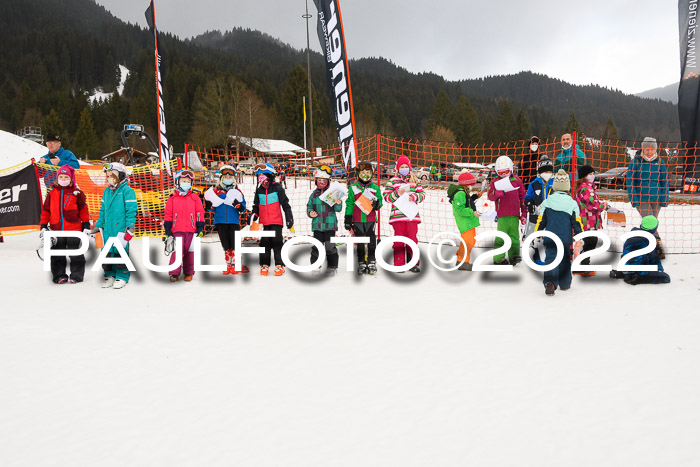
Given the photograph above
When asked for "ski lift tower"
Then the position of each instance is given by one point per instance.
(131, 129)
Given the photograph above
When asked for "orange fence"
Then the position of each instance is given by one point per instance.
(152, 184)
(437, 165)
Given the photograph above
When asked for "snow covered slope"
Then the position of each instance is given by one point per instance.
(15, 150)
(436, 369)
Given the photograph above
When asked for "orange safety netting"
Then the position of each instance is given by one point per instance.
(679, 220)
(152, 184)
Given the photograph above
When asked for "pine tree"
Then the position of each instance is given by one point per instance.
(52, 123)
(523, 131)
(465, 123)
(572, 124)
(610, 130)
(86, 144)
(489, 130)
(291, 104)
(442, 112)
(505, 123)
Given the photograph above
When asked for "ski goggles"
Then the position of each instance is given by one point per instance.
(263, 168)
(185, 173)
(228, 172)
(325, 168)
(108, 166)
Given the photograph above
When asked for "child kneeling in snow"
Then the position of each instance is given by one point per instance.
(560, 214)
(649, 224)
(227, 202)
(184, 218)
(466, 216)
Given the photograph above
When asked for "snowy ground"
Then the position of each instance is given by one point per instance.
(436, 369)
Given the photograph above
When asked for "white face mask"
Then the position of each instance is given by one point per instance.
(533, 147)
(565, 146)
(590, 178)
(546, 176)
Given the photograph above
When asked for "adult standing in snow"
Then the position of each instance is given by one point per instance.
(58, 155)
(563, 161)
(647, 183)
(529, 162)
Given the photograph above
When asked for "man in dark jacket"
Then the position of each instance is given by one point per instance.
(527, 168)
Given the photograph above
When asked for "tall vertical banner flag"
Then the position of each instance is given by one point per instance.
(689, 91)
(332, 38)
(162, 138)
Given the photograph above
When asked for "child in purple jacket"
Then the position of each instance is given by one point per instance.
(510, 208)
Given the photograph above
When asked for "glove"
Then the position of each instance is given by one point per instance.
(238, 207)
(200, 229)
(168, 228)
(348, 222)
(375, 204)
(54, 240)
(290, 224)
(124, 238)
(169, 245)
(531, 208)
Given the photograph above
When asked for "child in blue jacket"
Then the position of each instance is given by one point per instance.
(227, 203)
(649, 224)
(560, 215)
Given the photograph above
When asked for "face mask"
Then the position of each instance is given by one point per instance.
(112, 180)
(64, 182)
(404, 171)
(321, 183)
(590, 178)
(184, 186)
(262, 179)
(546, 176)
(365, 177)
(228, 182)
(649, 158)
(533, 147)
(565, 146)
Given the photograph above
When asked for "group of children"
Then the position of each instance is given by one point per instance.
(547, 204)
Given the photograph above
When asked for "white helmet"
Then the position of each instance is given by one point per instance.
(503, 163)
(320, 173)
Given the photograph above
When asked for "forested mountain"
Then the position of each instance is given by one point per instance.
(249, 83)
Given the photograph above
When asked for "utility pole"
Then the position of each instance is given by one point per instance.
(308, 76)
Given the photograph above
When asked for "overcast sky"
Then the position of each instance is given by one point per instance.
(623, 44)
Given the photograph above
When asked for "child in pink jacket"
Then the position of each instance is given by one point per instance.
(591, 211)
(184, 218)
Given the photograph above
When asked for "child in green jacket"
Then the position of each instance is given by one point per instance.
(360, 218)
(325, 223)
(466, 216)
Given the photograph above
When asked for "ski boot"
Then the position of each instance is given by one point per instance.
(465, 266)
(108, 282)
(503, 262)
(660, 249)
(188, 277)
(279, 270)
(316, 272)
(362, 268)
(549, 289)
(330, 272)
(516, 259)
(415, 269)
(372, 268)
(264, 270)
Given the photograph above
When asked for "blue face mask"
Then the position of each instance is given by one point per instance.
(185, 186)
(228, 182)
(404, 171)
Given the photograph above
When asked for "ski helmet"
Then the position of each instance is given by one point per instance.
(187, 173)
(545, 165)
(264, 168)
(117, 167)
(323, 172)
(227, 170)
(503, 163)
